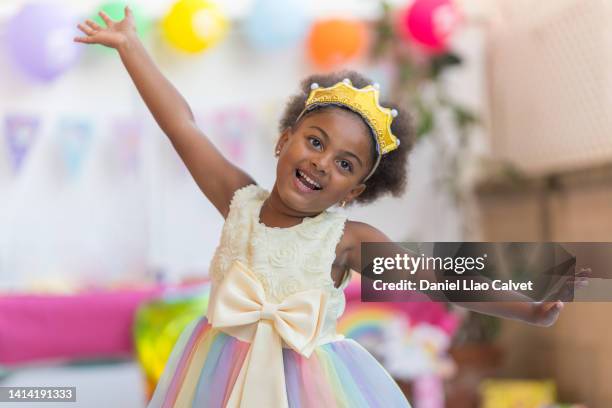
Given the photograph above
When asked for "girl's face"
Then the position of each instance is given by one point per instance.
(323, 160)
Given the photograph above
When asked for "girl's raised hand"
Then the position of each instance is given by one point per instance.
(113, 35)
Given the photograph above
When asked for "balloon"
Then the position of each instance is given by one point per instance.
(40, 40)
(275, 24)
(335, 41)
(116, 11)
(194, 25)
(159, 323)
(430, 23)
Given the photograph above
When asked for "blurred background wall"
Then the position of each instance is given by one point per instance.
(550, 88)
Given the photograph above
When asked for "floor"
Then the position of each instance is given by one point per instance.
(116, 384)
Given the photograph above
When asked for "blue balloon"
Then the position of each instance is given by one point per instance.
(40, 40)
(276, 24)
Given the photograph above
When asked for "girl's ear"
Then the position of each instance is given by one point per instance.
(355, 192)
(282, 140)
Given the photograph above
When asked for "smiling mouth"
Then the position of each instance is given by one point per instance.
(306, 181)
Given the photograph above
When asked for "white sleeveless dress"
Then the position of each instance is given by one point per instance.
(269, 337)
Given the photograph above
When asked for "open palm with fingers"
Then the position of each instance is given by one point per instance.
(113, 35)
(547, 312)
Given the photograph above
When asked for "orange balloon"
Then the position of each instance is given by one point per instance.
(336, 41)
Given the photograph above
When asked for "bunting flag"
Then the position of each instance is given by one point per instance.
(229, 128)
(75, 137)
(21, 132)
(127, 137)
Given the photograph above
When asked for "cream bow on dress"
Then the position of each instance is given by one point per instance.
(240, 309)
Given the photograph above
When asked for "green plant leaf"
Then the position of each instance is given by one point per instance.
(440, 63)
(464, 117)
(425, 121)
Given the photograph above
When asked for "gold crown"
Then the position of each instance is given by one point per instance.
(363, 101)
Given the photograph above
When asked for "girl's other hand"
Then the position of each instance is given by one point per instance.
(546, 313)
(114, 35)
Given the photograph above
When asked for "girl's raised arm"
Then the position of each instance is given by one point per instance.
(515, 306)
(215, 175)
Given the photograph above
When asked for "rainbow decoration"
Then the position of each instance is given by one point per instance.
(366, 323)
(410, 339)
(419, 310)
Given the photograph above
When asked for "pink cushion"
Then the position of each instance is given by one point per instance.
(58, 327)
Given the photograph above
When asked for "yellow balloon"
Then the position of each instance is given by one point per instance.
(194, 25)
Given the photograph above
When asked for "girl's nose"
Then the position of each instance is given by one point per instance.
(321, 164)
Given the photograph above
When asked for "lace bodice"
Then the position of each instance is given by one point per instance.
(285, 260)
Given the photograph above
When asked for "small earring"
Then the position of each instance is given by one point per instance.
(342, 204)
(277, 153)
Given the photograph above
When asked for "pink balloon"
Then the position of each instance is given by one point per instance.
(430, 23)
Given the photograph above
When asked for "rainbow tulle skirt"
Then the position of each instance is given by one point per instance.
(205, 363)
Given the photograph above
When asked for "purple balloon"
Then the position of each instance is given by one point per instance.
(39, 40)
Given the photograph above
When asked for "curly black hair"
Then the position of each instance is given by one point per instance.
(391, 175)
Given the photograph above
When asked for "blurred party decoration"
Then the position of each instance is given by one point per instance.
(517, 393)
(21, 132)
(411, 339)
(193, 26)
(127, 134)
(229, 128)
(418, 310)
(430, 23)
(273, 24)
(415, 350)
(116, 11)
(160, 322)
(39, 40)
(417, 82)
(366, 324)
(428, 392)
(75, 137)
(334, 42)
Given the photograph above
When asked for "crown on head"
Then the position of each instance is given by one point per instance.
(363, 101)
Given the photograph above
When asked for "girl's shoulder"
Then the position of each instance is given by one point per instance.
(350, 237)
(356, 232)
(348, 252)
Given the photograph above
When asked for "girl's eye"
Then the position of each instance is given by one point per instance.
(316, 143)
(345, 165)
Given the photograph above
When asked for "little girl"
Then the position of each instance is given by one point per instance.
(269, 338)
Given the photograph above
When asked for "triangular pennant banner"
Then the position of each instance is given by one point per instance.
(21, 132)
(127, 133)
(75, 136)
